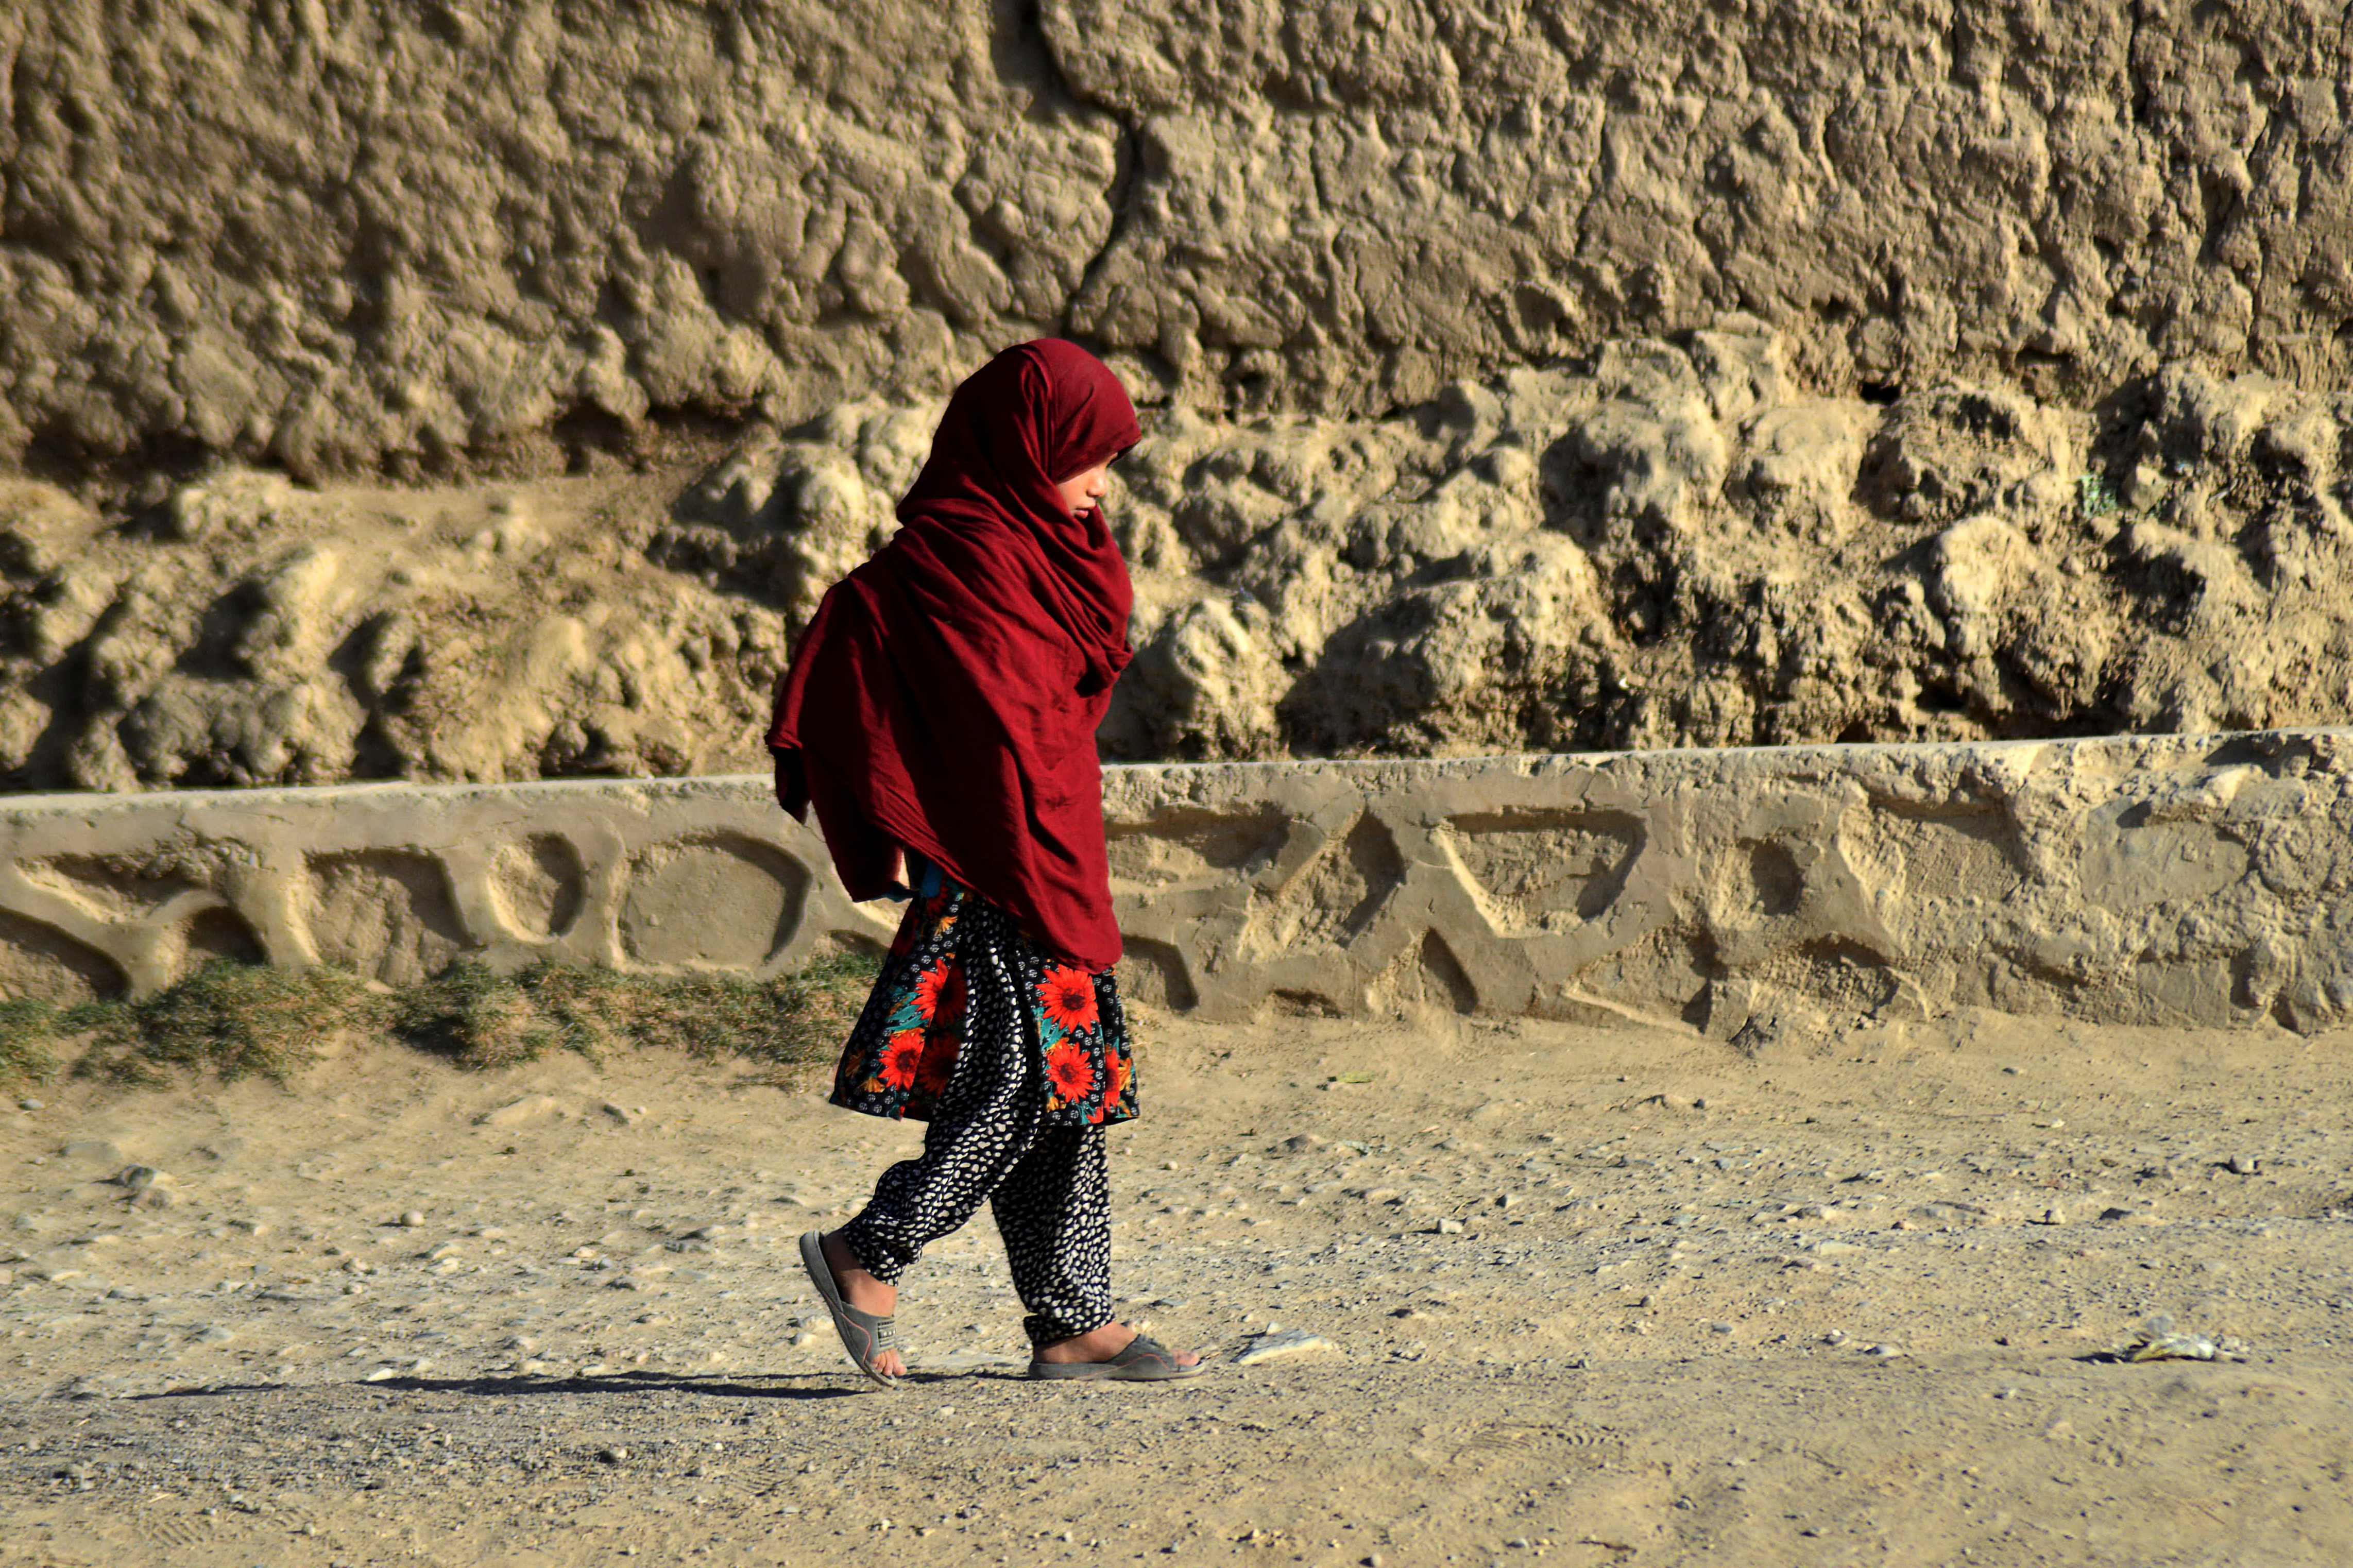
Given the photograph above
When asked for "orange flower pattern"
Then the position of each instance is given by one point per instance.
(902, 1054)
(1068, 996)
(930, 986)
(1068, 1069)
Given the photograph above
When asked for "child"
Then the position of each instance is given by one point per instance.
(940, 713)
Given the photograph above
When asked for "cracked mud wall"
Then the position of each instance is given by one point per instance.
(329, 236)
(332, 234)
(1665, 543)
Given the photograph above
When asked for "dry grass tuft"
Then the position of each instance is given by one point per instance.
(237, 1020)
(234, 1020)
(482, 1019)
(24, 1025)
(476, 1017)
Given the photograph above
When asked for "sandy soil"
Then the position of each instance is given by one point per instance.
(1598, 1298)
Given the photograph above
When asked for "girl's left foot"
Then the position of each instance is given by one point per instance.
(861, 1292)
(1100, 1345)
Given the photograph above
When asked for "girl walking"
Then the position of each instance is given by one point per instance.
(940, 713)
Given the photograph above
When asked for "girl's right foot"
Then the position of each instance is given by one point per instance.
(865, 1292)
(1101, 1344)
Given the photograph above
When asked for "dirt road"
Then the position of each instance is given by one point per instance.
(1593, 1298)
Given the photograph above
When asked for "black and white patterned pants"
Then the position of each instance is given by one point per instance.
(1046, 1184)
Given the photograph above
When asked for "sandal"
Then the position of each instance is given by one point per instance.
(1145, 1359)
(863, 1335)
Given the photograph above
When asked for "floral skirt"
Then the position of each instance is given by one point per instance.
(963, 975)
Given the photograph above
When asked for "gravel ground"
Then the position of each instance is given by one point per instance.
(1593, 1297)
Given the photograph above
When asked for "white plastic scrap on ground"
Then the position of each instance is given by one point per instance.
(1280, 1342)
(2158, 1340)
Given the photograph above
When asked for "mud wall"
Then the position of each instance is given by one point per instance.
(1665, 544)
(2191, 879)
(331, 234)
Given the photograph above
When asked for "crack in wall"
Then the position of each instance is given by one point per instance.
(1033, 37)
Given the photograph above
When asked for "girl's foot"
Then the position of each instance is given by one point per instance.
(1101, 1344)
(866, 1293)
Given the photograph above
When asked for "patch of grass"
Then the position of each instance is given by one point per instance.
(481, 1019)
(242, 1020)
(26, 1024)
(2093, 495)
(235, 1020)
(474, 1017)
(777, 1023)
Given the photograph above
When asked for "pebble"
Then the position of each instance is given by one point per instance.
(620, 1113)
(30, 1103)
(1446, 1227)
(413, 1218)
(2243, 1164)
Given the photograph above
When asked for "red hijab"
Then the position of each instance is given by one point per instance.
(945, 695)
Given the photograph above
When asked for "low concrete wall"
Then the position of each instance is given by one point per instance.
(2193, 880)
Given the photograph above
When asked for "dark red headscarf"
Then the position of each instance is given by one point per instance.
(945, 695)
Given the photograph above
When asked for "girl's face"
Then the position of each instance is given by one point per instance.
(1082, 492)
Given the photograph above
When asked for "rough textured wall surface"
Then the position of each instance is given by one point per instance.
(331, 233)
(1665, 543)
(2191, 879)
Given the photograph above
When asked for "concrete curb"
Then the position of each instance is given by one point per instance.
(2195, 880)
